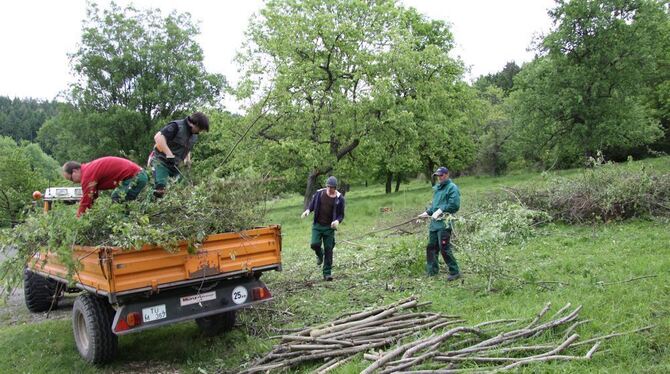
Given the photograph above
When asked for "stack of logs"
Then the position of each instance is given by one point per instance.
(432, 340)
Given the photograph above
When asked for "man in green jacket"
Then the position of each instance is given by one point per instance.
(446, 202)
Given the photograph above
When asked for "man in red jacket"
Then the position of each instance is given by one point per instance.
(106, 173)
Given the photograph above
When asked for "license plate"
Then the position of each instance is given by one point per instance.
(154, 313)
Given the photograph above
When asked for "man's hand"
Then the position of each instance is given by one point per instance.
(437, 214)
(304, 214)
(334, 224)
(423, 215)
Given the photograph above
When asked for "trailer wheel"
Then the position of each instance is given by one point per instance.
(217, 323)
(92, 327)
(40, 293)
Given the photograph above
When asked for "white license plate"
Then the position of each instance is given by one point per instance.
(154, 313)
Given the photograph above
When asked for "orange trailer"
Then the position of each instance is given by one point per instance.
(133, 290)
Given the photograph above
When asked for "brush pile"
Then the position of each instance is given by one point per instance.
(604, 193)
(187, 213)
(396, 339)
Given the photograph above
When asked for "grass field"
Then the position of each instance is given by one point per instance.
(589, 265)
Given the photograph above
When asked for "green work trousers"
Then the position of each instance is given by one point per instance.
(440, 241)
(325, 234)
(130, 188)
(162, 173)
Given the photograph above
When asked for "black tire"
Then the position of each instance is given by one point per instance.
(92, 319)
(40, 293)
(217, 323)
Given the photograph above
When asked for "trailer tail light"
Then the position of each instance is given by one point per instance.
(134, 319)
(121, 325)
(260, 293)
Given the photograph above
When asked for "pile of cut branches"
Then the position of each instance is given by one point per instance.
(437, 342)
(187, 213)
(606, 192)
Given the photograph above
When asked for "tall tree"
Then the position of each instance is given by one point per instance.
(503, 79)
(137, 61)
(585, 92)
(323, 72)
(425, 101)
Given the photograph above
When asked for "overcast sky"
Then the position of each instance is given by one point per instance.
(37, 35)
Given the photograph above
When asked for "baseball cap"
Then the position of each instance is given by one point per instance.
(441, 170)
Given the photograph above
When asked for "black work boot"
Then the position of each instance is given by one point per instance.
(328, 278)
(453, 277)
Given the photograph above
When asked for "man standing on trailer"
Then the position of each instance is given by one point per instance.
(174, 143)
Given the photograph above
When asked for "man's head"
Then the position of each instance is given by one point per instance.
(331, 182)
(72, 171)
(199, 122)
(442, 173)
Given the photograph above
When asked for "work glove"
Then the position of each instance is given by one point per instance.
(334, 224)
(423, 215)
(437, 214)
(170, 161)
(304, 214)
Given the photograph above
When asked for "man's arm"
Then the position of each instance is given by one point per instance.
(340, 211)
(161, 144)
(453, 203)
(88, 195)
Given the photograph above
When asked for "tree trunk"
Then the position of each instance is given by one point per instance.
(311, 187)
(389, 180)
(397, 182)
(430, 166)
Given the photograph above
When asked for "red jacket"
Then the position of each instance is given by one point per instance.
(103, 174)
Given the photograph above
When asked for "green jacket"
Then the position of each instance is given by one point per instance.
(447, 197)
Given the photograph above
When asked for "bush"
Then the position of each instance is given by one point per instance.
(603, 193)
(482, 235)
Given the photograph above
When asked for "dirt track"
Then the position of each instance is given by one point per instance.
(14, 312)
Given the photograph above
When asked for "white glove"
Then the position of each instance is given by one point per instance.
(304, 214)
(334, 224)
(437, 214)
(423, 215)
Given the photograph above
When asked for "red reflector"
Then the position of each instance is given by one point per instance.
(121, 325)
(134, 319)
(260, 293)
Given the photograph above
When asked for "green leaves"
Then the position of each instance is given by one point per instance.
(352, 87)
(587, 90)
(24, 168)
(187, 213)
(135, 71)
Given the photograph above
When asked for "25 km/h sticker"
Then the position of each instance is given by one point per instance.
(240, 295)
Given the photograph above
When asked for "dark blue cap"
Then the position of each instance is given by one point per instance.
(441, 170)
(331, 182)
